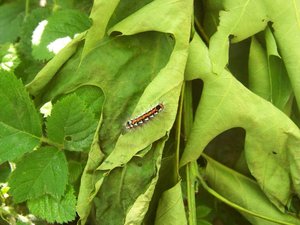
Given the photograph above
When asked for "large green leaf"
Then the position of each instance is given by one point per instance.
(71, 124)
(60, 210)
(271, 145)
(245, 18)
(44, 171)
(20, 128)
(246, 193)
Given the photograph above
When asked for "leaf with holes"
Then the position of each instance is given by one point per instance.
(71, 124)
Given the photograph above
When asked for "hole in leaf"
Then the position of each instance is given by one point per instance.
(68, 138)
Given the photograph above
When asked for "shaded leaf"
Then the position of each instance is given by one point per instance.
(75, 171)
(91, 181)
(11, 18)
(259, 80)
(171, 209)
(126, 192)
(44, 171)
(245, 193)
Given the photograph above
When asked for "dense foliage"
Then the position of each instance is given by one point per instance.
(209, 91)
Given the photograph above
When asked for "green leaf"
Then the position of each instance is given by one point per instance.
(115, 64)
(75, 170)
(20, 128)
(71, 124)
(246, 18)
(203, 222)
(136, 214)
(126, 191)
(31, 22)
(203, 211)
(272, 139)
(259, 80)
(281, 90)
(52, 67)
(93, 97)
(59, 29)
(5, 171)
(101, 14)
(91, 181)
(267, 73)
(246, 193)
(29, 67)
(171, 209)
(11, 18)
(238, 23)
(52, 210)
(44, 171)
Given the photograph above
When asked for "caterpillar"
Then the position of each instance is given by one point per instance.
(145, 117)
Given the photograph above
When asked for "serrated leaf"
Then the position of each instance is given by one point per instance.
(11, 18)
(20, 127)
(71, 124)
(93, 97)
(58, 30)
(41, 172)
(32, 20)
(52, 210)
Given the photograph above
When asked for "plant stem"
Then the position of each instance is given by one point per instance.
(178, 130)
(191, 173)
(27, 5)
(202, 32)
(52, 143)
